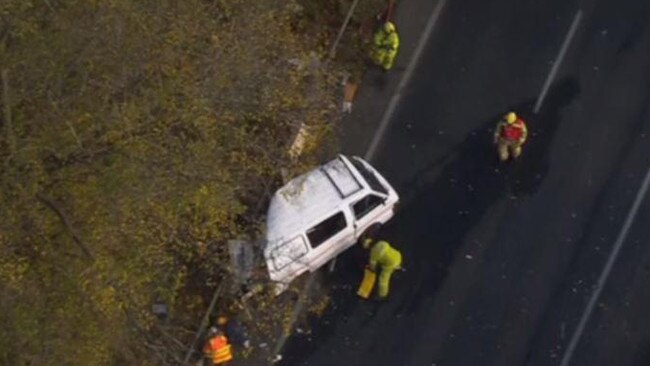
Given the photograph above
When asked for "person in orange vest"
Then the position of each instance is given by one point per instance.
(217, 349)
(509, 136)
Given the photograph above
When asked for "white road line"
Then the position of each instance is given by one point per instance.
(394, 101)
(558, 61)
(577, 334)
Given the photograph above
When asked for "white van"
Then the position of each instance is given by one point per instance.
(318, 215)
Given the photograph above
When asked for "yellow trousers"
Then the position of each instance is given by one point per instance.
(507, 149)
(384, 58)
(384, 277)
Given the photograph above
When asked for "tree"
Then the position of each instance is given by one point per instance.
(136, 135)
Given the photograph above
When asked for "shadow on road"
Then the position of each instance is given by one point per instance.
(440, 205)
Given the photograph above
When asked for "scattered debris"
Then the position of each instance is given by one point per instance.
(160, 310)
(299, 142)
(241, 261)
(276, 358)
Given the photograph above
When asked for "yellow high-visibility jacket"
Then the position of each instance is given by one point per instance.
(384, 255)
(218, 350)
(388, 42)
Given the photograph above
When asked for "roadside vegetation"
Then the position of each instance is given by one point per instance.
(137, 138)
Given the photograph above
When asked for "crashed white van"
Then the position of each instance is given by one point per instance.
(318, 215)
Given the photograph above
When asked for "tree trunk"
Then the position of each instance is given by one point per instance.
(64, 219)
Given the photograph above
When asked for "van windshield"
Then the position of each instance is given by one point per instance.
(369, 176)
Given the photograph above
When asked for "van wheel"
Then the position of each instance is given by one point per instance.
(370, 232)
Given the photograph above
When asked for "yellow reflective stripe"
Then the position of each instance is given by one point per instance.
(223, 354)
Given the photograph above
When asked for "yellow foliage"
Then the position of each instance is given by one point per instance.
(152, 125)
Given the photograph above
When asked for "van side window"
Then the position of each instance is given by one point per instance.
(362, 207)
(369, 176)
(326, 229)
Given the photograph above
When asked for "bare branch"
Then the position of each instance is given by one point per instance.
(157, 351)
(7, 111)
(204, 323)
(170, 337)
(49, 5)
(74, 133)
(64, 219)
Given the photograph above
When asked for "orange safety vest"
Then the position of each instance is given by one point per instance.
(218, 350)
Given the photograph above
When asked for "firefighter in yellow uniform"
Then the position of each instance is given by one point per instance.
(385, 46)
(385, 256)
(509, 136)
(217, 349)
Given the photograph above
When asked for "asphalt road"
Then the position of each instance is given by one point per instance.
(503, 260)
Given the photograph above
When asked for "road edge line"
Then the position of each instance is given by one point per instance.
(558, 60)
(629, 220)
(406, 78)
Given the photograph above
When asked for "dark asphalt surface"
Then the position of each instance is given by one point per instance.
(502, 259)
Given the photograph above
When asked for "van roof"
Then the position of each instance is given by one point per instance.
(311, 197)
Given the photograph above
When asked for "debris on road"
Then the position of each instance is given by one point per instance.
(276, 359)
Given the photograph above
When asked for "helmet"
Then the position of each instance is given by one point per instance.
(389, 27)
(222, 320)
(367, 243)
(511, 117)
